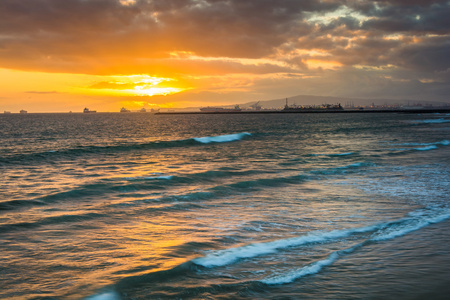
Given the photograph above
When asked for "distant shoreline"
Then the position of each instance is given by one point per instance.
(256, 112)
(317, 111)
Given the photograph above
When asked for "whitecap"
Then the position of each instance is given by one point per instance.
(432, 147)
(166, 177)
(231, 255)
(105, 296)
(222, 138)
(435, 121)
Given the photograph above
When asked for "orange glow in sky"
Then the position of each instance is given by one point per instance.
(58, 56)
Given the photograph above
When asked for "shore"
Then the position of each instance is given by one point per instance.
(314, 111)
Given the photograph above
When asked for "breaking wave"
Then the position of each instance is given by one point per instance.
(92, 150)
(386, 231)
(228, 256)
(434, 121)
(222, 138)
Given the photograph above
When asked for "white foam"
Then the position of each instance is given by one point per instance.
(443, 142)
(166, 177)
(433, 121)
(105, 296)
(355, 165)
(426, 148)
(420, 219)
(342, 154)
(229, 256)
(222, 138)
(307, 270)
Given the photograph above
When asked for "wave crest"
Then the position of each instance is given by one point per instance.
(222, 138)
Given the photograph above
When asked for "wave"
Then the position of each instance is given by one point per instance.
(333, 154)
(110, 295)
(434, 121)
(211, 182)
(387, 231)
(15, 204)
(381, 231)
(167, 177)
(426, 147)
(51, 220)
(443, 143)
(341, 169)
(222, 138)
(310, 269)
(90, 150)
(228, 256)
(360, 236)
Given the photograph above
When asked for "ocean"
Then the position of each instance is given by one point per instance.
(237, 206)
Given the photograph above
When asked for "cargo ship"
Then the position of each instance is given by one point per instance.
(220, 109)
(88, 111)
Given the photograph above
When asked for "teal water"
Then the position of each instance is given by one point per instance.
(291, 206)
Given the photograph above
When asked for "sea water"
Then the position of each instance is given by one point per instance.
(236, 206)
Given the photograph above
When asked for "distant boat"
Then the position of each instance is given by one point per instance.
(23, 111)
(87, 111)
(6, 112)
(220, 109)
(143, 110)
(124, 110)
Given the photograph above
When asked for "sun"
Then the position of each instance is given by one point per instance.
(137, 85)
(153, 91)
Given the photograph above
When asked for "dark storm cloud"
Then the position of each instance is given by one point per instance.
(422, 17)
(432, 56)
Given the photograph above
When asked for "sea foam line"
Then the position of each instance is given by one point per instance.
(104, 296)
(166, 177)
(123, 147)
(396, 229)
(434, 121)
(381, 231)
(426, 148)
(222, 138)
(229, 256)
(443, 143)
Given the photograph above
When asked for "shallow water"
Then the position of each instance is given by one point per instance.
(139, 206)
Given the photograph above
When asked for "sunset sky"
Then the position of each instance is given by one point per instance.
(61, 55)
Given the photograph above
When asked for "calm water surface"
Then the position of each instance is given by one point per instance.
(292, 206)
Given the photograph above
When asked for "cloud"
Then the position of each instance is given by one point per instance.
(42, 92)
(223, 37)
(92, 35)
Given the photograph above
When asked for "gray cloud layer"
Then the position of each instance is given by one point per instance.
(108, 37)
